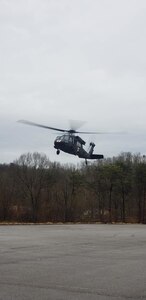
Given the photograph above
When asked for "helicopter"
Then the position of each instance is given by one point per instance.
(70, 142)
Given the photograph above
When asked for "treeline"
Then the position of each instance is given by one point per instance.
(33, 189)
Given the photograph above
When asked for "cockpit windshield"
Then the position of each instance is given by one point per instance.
(59, 138)
(64, 138)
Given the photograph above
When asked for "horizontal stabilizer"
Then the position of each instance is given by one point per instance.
(96, 156)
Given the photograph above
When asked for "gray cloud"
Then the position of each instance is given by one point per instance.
(63, 60)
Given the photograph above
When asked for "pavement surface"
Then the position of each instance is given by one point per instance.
(73, 262)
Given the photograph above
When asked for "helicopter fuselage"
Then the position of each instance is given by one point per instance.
(69, 143)
(73, 144)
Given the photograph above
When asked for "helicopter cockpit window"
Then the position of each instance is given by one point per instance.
(66, 138)
(79, 145)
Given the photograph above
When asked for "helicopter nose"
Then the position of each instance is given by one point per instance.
(56, 144)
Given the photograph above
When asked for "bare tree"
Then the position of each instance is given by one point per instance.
(7, 190)
(31, 176)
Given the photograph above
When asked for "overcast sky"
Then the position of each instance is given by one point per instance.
(63, 60)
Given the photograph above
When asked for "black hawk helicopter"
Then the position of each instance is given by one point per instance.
(70, 142)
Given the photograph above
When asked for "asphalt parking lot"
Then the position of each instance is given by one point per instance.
(66, 262)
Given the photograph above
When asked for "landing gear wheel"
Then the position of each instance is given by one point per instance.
(58, 152)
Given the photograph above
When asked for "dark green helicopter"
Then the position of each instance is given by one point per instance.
(70, 142)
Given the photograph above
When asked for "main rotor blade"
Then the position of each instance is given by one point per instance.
(98, 132)
(40, 125)
(71, 131)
